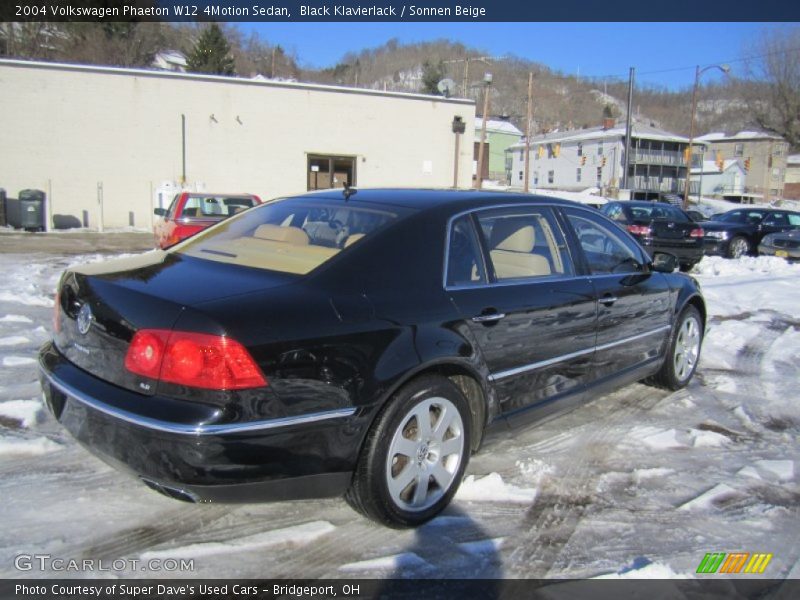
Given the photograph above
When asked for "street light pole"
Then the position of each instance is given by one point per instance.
(697, 73)
(487, 80)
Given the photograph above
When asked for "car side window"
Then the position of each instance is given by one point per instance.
(614, 211)
(794, 220)
(606, 247)
(464, 263)
(777, 220)
(524, 243)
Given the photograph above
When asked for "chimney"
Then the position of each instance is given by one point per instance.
(608, 122)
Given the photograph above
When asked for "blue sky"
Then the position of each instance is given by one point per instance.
(664, 54)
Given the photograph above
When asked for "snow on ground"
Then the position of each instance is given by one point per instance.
(639, 483)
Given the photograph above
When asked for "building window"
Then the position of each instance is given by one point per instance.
(599, 175)
(600, 148)
(580, 149)
(536, 178)
(578, 175)
(778, 150)
(551, 176)
(776, 174)
(738, 149)
(521, 175)
(538, 153)
(773, 192)
(522, 154)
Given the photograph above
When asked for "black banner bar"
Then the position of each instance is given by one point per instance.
(397, 10)
(401, 589)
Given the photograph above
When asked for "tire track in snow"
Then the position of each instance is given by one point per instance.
(569, 494)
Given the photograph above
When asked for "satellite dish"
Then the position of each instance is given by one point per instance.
(446, 87)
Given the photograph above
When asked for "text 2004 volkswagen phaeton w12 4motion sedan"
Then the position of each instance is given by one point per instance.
(358, 343)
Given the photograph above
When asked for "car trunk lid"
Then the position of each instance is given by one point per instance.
(101, 306)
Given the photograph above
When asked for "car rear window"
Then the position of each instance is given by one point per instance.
(289, 235)
(201, 205)
(657, 211)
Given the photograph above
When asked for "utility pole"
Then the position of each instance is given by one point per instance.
(628, 125)
(487, 81)
(528, 134)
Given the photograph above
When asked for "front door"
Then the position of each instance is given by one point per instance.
(634, 305)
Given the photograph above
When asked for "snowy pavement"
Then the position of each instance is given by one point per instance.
(638, 483)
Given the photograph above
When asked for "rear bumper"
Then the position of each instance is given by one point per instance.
(685, 253)
(787, 253)
(310, 456)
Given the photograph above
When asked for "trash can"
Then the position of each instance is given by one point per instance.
(27, 211)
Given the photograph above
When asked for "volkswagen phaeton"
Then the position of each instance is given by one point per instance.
(359, 343)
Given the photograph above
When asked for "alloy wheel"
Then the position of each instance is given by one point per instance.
(424, 455)
(687, 348)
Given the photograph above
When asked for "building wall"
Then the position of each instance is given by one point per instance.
(760, 176)
(497, 156)
(565, 165)
(73, 131)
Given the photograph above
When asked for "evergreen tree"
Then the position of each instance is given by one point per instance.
(211, 54)
(432, 74)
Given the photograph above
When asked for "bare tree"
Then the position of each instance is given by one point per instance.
(775, 107)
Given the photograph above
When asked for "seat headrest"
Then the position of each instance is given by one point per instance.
(276, 233)
(510, 235)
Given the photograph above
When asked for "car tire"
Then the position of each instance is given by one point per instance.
(683, 351)
(739, 246)
(686, 267)
(400, 456)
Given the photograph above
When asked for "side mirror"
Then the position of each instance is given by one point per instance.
(664, 262)
(160, 212)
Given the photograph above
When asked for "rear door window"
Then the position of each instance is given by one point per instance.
(524, 243)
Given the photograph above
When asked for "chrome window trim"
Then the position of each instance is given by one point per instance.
(558, 359)
(198, 430)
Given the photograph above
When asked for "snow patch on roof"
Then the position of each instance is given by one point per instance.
(497, 126)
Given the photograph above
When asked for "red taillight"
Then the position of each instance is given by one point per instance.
(697, 233)
(193, 359)
(146, 352)
(639, 229)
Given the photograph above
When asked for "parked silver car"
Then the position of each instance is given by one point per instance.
(785, 244)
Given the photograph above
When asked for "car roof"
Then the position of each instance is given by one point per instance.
(423, 199)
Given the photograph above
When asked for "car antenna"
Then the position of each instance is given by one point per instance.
(348, 191)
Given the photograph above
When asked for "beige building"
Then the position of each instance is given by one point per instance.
(108, 145)
(764, 157)
(792, 187)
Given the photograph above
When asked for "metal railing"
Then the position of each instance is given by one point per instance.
(658, 157)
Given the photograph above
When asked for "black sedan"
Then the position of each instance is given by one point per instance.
(739, 232)
(358, 343)
(660, 227)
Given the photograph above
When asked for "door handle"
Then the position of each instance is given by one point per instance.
(607, 300)
(490, 318)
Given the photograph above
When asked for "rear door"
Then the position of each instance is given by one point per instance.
(634, 305)
(513, 281)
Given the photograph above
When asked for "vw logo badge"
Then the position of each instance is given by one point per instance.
(84, 319)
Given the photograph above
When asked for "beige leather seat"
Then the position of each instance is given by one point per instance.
(511, 251)
(276, 233)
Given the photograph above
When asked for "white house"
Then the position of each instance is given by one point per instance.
(729, 182)
(170, 60)
(595, 157)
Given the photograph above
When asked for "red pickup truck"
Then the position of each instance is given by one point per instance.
(191, 212)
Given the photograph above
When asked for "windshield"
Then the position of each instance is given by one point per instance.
(290, 235)
(647, 212)
(742, 216)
